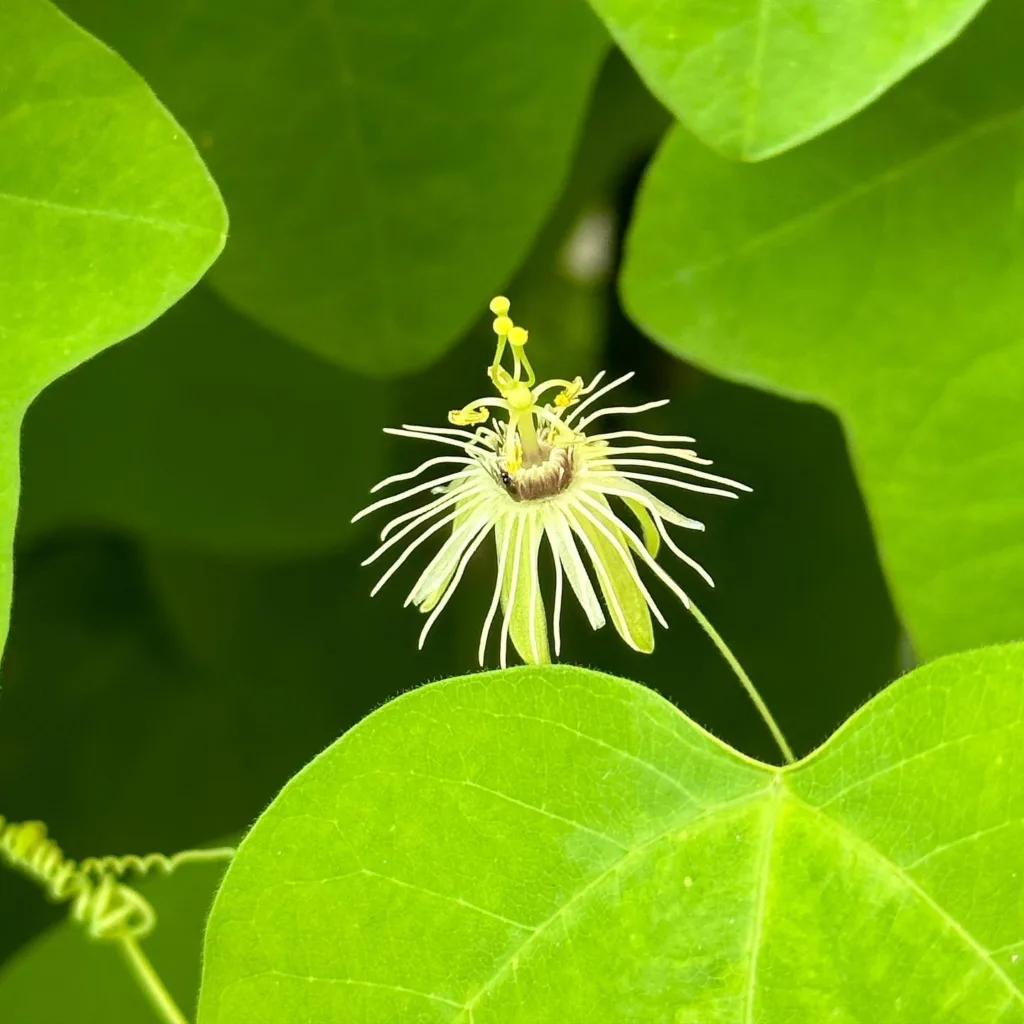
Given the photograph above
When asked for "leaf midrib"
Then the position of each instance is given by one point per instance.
(754, 82)
(89, 211)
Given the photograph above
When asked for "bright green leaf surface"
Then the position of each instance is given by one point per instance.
(106, 212)
(207, 430)
(387, 164)
(755, 77)
(559, 845)
(62, 977)
(880, 270)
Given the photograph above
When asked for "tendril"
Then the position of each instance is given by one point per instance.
(105, 906)
(149, 863)
(108, 909)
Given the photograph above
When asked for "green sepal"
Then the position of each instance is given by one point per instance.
(616, 576)
(652, 539)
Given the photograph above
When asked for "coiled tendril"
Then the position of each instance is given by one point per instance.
(108, 908)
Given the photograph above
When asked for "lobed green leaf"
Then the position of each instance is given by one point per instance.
(553, 844)
(881, 271)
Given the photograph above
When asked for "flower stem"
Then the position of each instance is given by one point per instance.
(149, 981)
(787, 750)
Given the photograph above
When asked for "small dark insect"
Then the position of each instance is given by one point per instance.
(506, 480)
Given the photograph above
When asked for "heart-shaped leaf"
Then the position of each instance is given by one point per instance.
(880, 270)
(755, 77)
(106, 211)
(387, 164)
(559, 845)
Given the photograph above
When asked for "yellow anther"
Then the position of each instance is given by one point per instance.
(517, 336)
(468, 417)
(568, 395)
(499, 305)
(502, 326)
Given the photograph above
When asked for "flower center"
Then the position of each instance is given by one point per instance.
(544, 479)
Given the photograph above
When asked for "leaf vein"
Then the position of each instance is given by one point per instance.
(470, 784)
(85, 211)
(961, 840)
(920, 755)
(886, 177)
(851, 839)
(607, 746)
(275, 972)
(445, 896)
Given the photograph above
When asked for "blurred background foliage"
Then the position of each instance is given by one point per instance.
(191, 623)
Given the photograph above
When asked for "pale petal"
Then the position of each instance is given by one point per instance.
(515, 526)
(566, 554)
(526, 617)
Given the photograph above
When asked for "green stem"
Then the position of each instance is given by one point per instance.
(149, 981)
(787, 750)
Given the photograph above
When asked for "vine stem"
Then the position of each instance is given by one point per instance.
(150, 983)
(723, 647)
